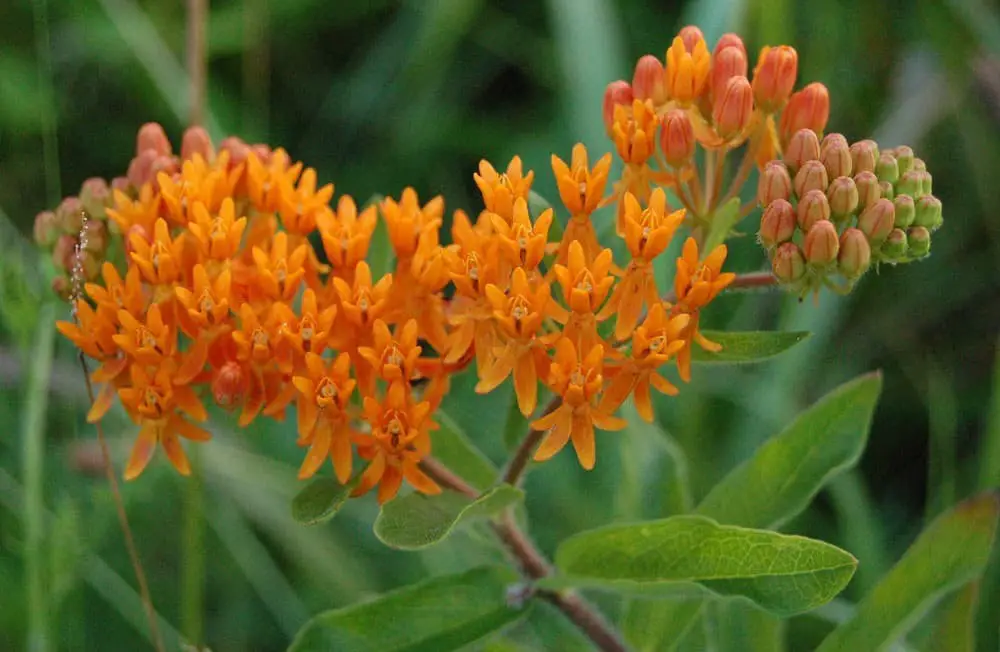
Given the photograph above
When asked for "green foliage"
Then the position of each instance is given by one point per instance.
(441, 614)
(782, 573)
(723, 221)
(747, 347)
(321, 499)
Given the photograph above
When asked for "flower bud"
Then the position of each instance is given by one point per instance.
(95, 196)
(94, 236)
(121, 184)
(140, 169)
(926, 186)
(789, 265)
(730, 40)
(648, 80)
(878, 220)
(727, 63)
(864, 156)
(836, 158)
(855, 253)
(777, 224)
(46, 229)
(919, 241)
(90, 264)
(61, 286)
(64, 252)
(774, 183)
(887, 168)
(617, 93)
(238, 150)
(906, 210)
(687, 67)
(690, 35)
(677, 138)
(136, 230)
(909, 184)
(918, 164)
(894, 247)
(812, 208)
(822, 244)
(69, 215)
(811, 176)
(152, 137)
(804, 146)
(197, 141)
(774, 77)
(886, 189)
(843, 197)
(868, 189)
(731, 113)
(833, 140)
(904, 158)
(928, 213)
(230, 385)
(809, 108)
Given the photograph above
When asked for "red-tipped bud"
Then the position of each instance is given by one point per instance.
(121, 184)
(152, 137)
(809, 108)
(774, 183)
(843, 197)
(732, 111)
(928, 215)
(804, 146)
(238, 150)
(836, 158)
(811, 176)
(94, 236)
(95, 195)
(617, 93)
(197, 141)
(886, 189)
(677, 138)
(230, 385)
(918, 240)
(834, 139)
(878, 220)
(262, 151)
(887, 168)
(906, 210)
(61, 286)
(918, 164)
(895, 246)
(812, 208)
(140, 169)
(774, 77)
(90, 264)
(726, 63)
(690, 35)
(648, 82)
(855, 254)
(869, 191)
(64, 253)
(777, 224)
(822, 244)
(69, 215)
(904, 158)
(46, 229)
(864, 156)
(727, 41)
(789, 265)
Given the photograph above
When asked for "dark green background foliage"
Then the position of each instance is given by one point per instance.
(381, 94)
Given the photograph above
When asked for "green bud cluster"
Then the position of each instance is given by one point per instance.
(833, 209)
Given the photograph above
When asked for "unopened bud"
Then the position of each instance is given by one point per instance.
(809, 108)
(677, 138)
(822, 244)
(811, 176)
(868, 189)
(834, 139)
(262, 151)
(69, 215)
(855, 253)
(690, 35)
(926, 185)
(777, 224)
(774, 77)
(894, 247)
(165, 164)
(91, 263)
(731, 113)
(904, 158)
(906, 210)
(62, 287)
(774, 183)
(121, 184)
(237, 149)
(140, 169)
(64, 252)
(878, 220)
(46, 229)
(864, 156)
(152, 137)
(812, 208)
(887, 168)
(729, 62)
(617, 93)
(729, 40)
(197, 141)
(230, 385)
(886, 189)
(919, 241)
(836, 158)
(928, 209)
(804, 146)
(648, 80)
(95, 195)
(918, 164)
(789, 265)
(843, 197)
(95, 236)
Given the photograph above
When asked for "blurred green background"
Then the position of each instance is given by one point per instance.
(381, 94)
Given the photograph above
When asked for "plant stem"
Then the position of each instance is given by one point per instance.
(710, 169)
(50, 143)
(753, 280)
(743, 172)
(197, 64)
(532, 562)
(193, 555)
(519, 460)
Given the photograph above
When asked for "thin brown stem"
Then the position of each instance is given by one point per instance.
(519, 460)
(710, 168)
(753, 280)
(743, 172)
(133, 553)
(197, 62)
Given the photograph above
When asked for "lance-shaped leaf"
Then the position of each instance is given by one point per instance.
(951, 551)
(453, 447)
(782, 573)
(659, 625)
(749, 346)
(321, 499)
(441, 614)
(723, 221)
(785, 473)
(417, 521)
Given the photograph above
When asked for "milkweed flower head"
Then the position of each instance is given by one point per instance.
(234, 276)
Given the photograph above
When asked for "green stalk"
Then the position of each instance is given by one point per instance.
(50, 146)
(193, 555)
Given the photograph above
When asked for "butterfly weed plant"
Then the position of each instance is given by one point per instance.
(225, 275)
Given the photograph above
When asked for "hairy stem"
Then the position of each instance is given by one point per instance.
(519, 460)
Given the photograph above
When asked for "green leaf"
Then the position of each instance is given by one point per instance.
(321, 499)
(417, 521)
(750, 346)
(782, 573)
(723, 221)
(441, 614)
(785, 473)
(454, 449)
(659, 625)
(954, 624)
(737, 625)
(951, 551)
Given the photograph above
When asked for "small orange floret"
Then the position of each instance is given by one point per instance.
(521, 242)
(501, 190)
(687, 70)
(324, 393)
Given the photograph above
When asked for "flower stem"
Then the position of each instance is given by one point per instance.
(519, 460)
(196, 60)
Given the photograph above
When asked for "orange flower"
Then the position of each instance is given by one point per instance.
(206, 305)
(399, 440)
(264, 184)
(406, 220)
(279, 273)
(581, 190)
(199, 181)
(362, 303)
(584, 288)
(501, 190)
(522, 243)
(159, 260)
(393, 359)
(218, 238)
(301, 205)
(687, 70)
(142, 213)
(117, 295)
(149, 341)
(310, 331)
(654, 342)
(579, 384)
(346, 235)
(259, 343)
(324, 426)
(634, 132)
(472, 266)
